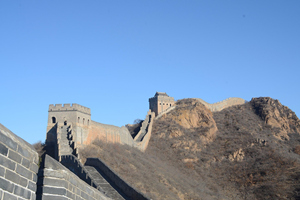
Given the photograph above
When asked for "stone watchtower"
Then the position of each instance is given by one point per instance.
(76, 117)
(160, 102)
(63, 114)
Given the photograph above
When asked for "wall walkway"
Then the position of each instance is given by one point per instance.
(222, 104)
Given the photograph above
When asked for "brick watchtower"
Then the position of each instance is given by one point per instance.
(69, 122)
(160, 102)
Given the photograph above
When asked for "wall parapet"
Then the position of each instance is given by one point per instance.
(18, 167)
(57, 182)
(141, 140)
(69, 107)
(232, 101)
(74, 165)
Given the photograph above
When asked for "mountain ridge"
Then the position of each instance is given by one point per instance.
(248, 151)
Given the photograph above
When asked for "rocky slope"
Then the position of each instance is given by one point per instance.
(249, 151)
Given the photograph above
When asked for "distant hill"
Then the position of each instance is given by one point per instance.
(249, 151)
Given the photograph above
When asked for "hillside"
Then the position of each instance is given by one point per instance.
(249, 151)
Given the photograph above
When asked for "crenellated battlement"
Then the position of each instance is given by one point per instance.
(69, 107)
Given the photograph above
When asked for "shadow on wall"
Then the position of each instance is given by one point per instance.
(51, 142)
(126, 188)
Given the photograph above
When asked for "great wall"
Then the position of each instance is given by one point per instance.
(60, 175)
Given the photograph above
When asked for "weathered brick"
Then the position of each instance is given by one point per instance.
(49, 197)
(31, 186)
(2, 170)
(24, 151)
(70, 195)
(77, 190)
(24, 172)
(19, 191)
(3, 149)
(23, 181)
(25, 162)
(33, 196)
(34, 177)
(14, 156)
(55, 182)
(88, 190)
(27, 194)
(9, 142)
(6, 185)
(52, 190)
(9, 196)
(52, 173)
(7, 163)
(33, 167)
(12, 176)
(79, 198)
(84, 195)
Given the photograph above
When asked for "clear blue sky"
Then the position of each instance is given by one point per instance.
(111, 56)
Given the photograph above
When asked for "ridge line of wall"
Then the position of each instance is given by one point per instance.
(218, 106)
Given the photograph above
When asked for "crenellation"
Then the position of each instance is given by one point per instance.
(69, 107)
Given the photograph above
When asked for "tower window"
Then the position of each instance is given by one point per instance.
(83, 121)
(53, 120)
(88, 122)
(78, 119)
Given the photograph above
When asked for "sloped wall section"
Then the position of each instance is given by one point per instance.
(114, 134)
(18, 167)
(126, 188)
(60, 183)
(222, 104)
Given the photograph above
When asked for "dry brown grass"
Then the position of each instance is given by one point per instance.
(266, 170)
(39, 147)
(297, 150)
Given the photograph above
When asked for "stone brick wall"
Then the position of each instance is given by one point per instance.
(108, 133)
(165, 111)
(56, 182)
(74, 165)
(126, 188)
(223, 104)
(142, 139)
(18, 167)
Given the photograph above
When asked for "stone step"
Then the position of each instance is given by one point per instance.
(104, 184)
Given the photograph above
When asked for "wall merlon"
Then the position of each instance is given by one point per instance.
(69, 107)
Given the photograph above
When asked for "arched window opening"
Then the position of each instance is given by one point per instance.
(170, 105)
(65, 122)
(88, 122)
(78, 119)
(83, 121)
(53, 120)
